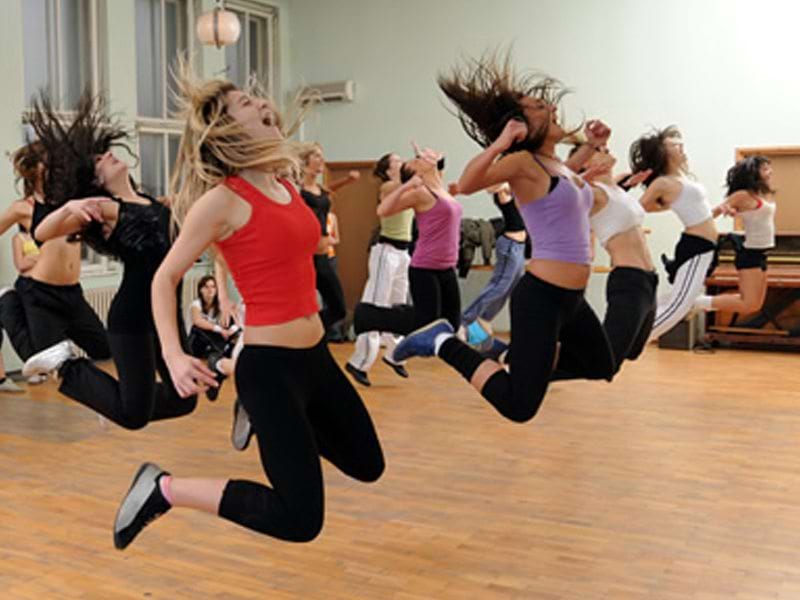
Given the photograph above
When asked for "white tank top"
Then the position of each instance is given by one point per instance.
(620, 214)
(759, 226)
(691, 205)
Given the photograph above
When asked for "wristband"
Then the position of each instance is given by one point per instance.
(217, 329)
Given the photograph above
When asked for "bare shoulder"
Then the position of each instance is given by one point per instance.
(387, 187)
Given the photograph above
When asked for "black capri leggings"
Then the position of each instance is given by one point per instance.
(435, 295)
(330, 288)
(541, 315)
(630, 313)
(297, 419)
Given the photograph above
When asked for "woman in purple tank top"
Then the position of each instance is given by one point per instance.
(432, 276)
(515, 120)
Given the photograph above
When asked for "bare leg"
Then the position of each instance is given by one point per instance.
(751, 295)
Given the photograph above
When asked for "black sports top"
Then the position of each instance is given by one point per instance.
(320, 204)
(140, 240)
(512, 220)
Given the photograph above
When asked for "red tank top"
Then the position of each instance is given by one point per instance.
(271, 257)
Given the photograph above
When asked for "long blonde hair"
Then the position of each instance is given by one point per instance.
(214, 146)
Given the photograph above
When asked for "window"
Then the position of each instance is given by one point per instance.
(253, 54)
(60, 49)
(161, 36)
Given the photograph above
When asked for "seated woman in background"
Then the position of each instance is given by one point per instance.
(208, 338)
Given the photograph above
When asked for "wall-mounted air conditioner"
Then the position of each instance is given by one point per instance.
(338, 91)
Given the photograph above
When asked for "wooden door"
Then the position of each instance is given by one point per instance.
(354, 206)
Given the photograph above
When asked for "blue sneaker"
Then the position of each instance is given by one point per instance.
(421, 341)
(476, 335)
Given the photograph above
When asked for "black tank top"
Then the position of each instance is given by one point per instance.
(140, 240)
(320, 204)
(512, 220)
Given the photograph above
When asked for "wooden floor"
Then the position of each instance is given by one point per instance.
(681, 480)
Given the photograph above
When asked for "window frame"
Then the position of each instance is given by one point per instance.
(269, 13)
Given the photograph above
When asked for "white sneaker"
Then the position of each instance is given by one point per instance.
(37, 379)
(9, 386)
(49, 359)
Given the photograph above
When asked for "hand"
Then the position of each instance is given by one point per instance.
(227, 312)
(452, 188)
(414, 183)
(638, 178)
(725, 210)
(354, 175)
(189, 375)
(514, 131)
(597, 133)
(87, 209)
(591, 173)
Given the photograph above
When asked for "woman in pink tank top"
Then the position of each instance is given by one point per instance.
(432, 275)
(515, 120)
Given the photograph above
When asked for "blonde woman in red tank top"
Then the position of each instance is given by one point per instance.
(232, 199)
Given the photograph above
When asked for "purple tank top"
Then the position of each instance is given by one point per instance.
(559, 223)
(439, 234)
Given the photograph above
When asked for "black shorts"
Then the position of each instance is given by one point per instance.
(748, 258)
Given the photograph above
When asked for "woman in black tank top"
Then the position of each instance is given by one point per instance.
(116, 220)
(318, 199)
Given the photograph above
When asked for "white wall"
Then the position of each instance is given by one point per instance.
(723, 70)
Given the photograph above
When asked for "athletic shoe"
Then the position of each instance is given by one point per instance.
(242, 430)
(48, 360)
(476, 334)
(213, 392)
(8, 385)
(422, 341)
(397, 368)
(143, 503)
(359, 375)
(37, 379)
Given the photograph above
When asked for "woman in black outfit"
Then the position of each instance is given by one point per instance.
(318, 199)
(117, 220)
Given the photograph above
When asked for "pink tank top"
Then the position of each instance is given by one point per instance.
(439, 234)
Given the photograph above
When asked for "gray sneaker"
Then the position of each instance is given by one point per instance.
(242, 429)
(9, 386)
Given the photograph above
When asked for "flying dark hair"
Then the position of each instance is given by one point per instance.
(215, 302)
(746, 175)
(70, 148)
(382, 166)
(487, 94)
(648, 152)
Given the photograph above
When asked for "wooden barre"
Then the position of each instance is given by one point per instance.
(750, 330)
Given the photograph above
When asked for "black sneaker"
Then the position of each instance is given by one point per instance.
(359, 375)
(143, 503)
(399, 369)
(213, 359)
(242, 430)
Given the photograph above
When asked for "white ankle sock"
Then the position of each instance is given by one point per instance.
(704, 302)
(440, 339)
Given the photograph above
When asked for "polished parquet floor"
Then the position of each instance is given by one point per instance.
(681, 480)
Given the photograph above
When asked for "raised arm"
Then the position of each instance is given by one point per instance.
(732, 205)
(205, 223)
(73, 216)
(400, 198)
(653, 199)
(597, 134)
(351, 177)
(485, 170)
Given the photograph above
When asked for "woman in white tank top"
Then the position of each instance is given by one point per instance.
(749, 193)
(616, 220)
(660, 159)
